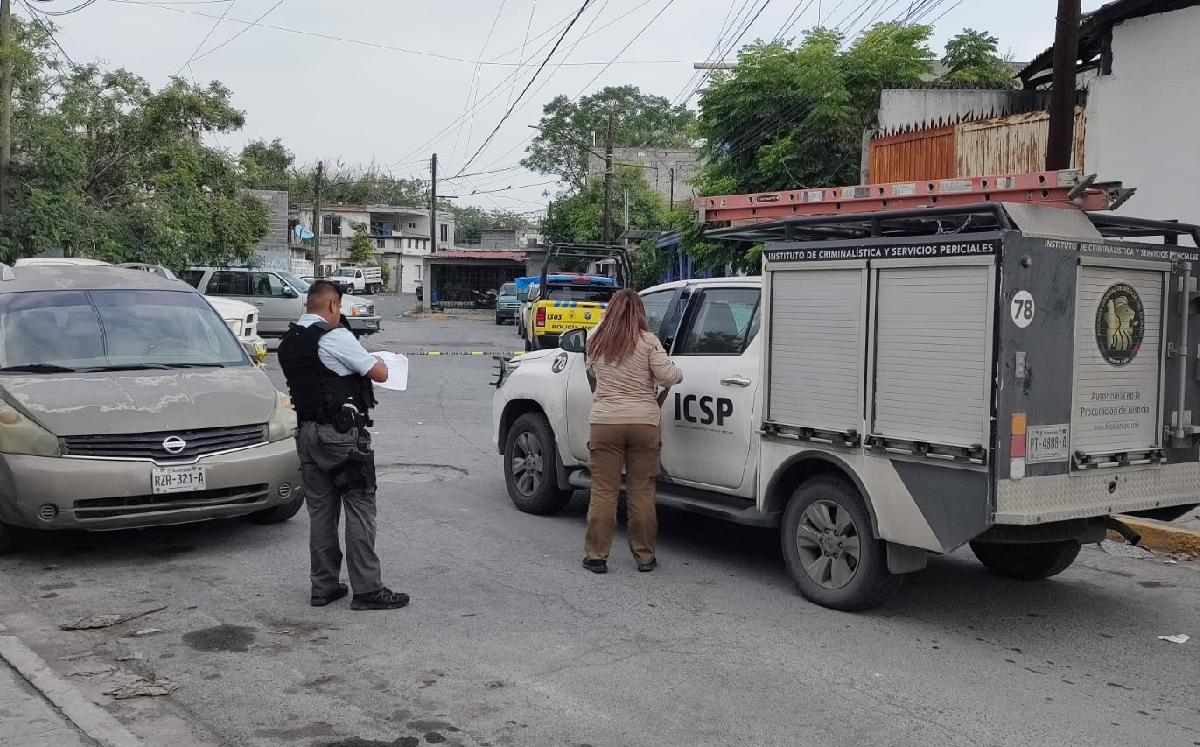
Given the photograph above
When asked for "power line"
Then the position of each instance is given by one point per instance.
(473, 85)
(76, 9)
(732, 45)
(494, 62)
(536, 73)
(207, 36)
(233, 38)
(49, 32)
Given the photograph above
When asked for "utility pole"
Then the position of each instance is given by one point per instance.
(317, 178)
(627, 210)
(6, 86)
(608, 180)
(672, 172)
(1061, 141)
(433, 228)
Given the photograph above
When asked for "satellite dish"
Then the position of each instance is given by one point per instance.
(303, 233)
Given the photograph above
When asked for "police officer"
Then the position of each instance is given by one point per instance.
(329, 374)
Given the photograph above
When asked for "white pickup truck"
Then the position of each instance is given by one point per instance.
(366, 279)
(900, 392)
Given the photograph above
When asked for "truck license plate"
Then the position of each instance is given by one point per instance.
(177, 479)
(1047, 443)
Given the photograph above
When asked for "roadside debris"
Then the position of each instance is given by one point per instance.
(145, 687)
(106, 621)
(146, 632)
(1122, 550)
(1181, 638)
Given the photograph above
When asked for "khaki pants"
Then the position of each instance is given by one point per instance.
(637, 448)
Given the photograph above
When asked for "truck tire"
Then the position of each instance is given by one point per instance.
(831, 551)
(1027, 561)
(281, 513)
(528, 346)
(530, 466)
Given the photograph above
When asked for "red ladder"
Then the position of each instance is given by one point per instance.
(1066, 189)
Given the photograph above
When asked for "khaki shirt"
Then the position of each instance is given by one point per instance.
(627, 392)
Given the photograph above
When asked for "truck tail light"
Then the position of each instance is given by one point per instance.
(540, 319)
(1017, 427)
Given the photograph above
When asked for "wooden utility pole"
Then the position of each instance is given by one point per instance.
(6, 86)
(672, 172)
(433, 227)
(608, 180)
(316, 256)
(1061, 140)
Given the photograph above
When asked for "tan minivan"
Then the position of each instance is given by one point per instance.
(126, 401)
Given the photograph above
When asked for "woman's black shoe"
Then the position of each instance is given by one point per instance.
(384, 599)
(647, 567)
(597, 565)
(320, 601)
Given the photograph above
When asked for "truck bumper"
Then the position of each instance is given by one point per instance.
(1040, 500)
(365, 325)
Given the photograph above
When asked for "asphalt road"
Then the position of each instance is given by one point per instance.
(509, 642)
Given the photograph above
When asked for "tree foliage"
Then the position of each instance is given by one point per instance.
(106, 167)
(470, 222)
(972, 61)
(567, 127)
(361, 250)
(579, 218)
(794, 117)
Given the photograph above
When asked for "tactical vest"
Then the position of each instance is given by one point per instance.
(318, 394)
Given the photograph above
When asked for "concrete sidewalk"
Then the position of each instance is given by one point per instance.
(29, 720)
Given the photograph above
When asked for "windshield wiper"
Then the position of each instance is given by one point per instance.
(39, 368)
(126, 367)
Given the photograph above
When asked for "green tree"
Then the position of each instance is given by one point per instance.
(268, 165)
(580, 217)
(647, 264)
(793, 117)
(567, 127)
(361, 250)
(972, 61)
(470, 222)
(106, 167)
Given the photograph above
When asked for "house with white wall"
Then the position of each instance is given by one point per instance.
(399, 235)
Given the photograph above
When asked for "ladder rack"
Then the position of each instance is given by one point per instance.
(1066, 189)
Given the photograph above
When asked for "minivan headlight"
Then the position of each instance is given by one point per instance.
(20, 435)
(283, 422)
(360, 309)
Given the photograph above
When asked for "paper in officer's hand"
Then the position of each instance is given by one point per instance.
(397, 366)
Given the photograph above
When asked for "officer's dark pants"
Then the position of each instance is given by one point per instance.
(339, 470)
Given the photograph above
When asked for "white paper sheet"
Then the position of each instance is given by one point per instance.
(397, 366)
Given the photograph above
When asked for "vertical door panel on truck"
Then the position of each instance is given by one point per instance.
(933, 339)
(708, 422)
(1118, 360)
(817, 349)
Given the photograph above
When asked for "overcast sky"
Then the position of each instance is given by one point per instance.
(388, 81)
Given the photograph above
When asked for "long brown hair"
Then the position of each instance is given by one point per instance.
(623, 324)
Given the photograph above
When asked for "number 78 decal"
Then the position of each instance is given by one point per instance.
(1022, 309)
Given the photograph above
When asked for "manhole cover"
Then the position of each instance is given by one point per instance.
(408, 473)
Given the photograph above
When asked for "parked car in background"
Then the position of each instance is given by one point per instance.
(507, 305)
(364, 279)
(346, 284)
(278, 295)
(126, 401)
(59, 261)
(241, 317)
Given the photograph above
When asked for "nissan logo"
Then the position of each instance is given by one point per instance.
(173, 444)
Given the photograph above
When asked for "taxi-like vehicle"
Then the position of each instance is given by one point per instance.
(564, 303)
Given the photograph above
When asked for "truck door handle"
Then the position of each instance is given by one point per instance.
(735, 381)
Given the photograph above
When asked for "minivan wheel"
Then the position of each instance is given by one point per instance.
(531, 466)
(830, 549)
(281, 513)
(8, 538)
(1027, 561)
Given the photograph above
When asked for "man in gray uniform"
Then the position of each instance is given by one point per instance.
(329, 375)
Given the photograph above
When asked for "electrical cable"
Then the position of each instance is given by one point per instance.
(207, 36)
(583, 7)
(33, 14)
(233, 38)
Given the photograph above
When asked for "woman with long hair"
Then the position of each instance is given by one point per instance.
(627, 365)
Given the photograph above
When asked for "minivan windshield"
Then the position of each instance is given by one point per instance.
(508, 289)
(596, 293)
(300, 285)
(113, 330)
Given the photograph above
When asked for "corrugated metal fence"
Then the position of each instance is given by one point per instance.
(1003, 145)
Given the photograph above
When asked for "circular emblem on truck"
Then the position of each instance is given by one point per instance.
(1120, 324)
(173, 444)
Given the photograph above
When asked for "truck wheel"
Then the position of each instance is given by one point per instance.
(1027, 562)
(281, 513)
(499, 321)
(528, 346)
(530, 458)
(831, 552)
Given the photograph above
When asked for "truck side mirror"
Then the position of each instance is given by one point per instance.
(574, 341)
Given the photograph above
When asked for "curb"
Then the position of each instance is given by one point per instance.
(95, 722)
(1164, 536)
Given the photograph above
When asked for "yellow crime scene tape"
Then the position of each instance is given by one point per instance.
(451, 353)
